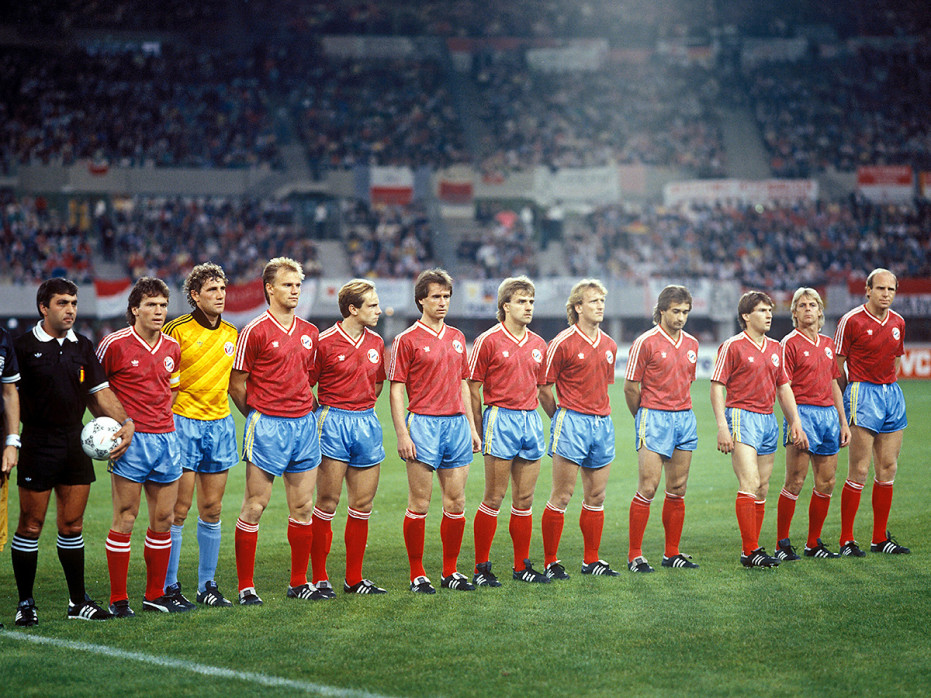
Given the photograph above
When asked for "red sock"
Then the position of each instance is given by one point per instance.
(452, 528)
(882, 503)
(321, 541)
(746, 521)
(300, 537)
(638, 517)
(592, 523)
(552, 523)
(760, 513)
(817, 513)
(415, 526)
(785, 510)
(246, 537)
(484, 526)
(673, 518)
(118, 564)
(521, 529)
(849, 503)
(156, 553)
(357, 535)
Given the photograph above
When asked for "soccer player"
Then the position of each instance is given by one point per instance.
(808, 358)
(9, 398)
(749, 368)
(350, 372)
(660, 370)
(437, 432)
(270, 384)
(205, 426)
(869, 341)
(505, 370)
(580, 363)
(60, 378)
(141, 363)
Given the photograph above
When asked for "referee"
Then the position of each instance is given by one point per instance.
(59, 377)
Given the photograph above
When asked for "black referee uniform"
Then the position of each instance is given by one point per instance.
(56, 377)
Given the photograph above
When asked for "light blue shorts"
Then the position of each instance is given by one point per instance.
(664, 431)
(441, 442)
(280, 445)
(585, 439)
(511, 434)
(207, 445)
(821, 426)
(353, 437)
(877, 407)
(150, 458)
(761, 431)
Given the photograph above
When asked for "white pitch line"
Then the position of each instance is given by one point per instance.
(194, 667)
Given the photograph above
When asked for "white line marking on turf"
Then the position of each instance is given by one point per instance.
(205, 669)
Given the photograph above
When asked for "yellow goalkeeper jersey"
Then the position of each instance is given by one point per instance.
(206, 361)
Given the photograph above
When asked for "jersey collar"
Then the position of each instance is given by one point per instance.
(44, 336)
(669, 339)
(874, 318)
(593, 342)
(519, 342)
(286, 330)
(425, 328)
(201, 318)
(144, 343)
(807, 338)
(345, 335)
(760, 347)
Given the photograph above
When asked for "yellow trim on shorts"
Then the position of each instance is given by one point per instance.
(642, 432)
(323, 413)
(735, 424)
(490, 429)
(249, 441)
(854, 396)
(561, 415)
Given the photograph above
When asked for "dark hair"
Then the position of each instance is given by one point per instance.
(201, 274)
(145, 287)
(509, 288)
(54, 287)
(748, 302)
(669, 296)
(437, 276)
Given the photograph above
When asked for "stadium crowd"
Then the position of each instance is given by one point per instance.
(387, 241)
(652, 114)
(192, 109)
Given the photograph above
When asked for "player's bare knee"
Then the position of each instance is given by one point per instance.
(328, 503)
(647, 490)
(493, 500)
(29, 527)
(210, 511)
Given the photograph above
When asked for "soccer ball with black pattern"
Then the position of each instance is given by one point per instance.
(97, 437)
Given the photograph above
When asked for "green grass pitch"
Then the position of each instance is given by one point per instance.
(843, 626)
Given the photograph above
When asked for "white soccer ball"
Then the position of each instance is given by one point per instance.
(97, 437)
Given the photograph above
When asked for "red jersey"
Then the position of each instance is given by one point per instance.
(279, 361)
(346, 370)
(750, 372)
(582, 370)
(664, 368)
(870, 345)
(142, 377)
(811, 367)
(509, 369)
(432, 366)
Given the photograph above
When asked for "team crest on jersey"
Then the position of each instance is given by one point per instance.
(372, 356)
(457, 345)
(895, 333)
(305, 341)
(775, 359)
(229, 348)
(691, 356)
(609, 356)
(828, 353)
(537, 355)
(169, 364)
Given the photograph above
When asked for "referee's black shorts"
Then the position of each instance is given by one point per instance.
(52, 457)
